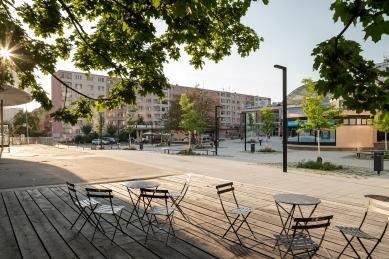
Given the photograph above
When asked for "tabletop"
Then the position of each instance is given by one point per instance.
(142, 184)
(296, 199)
(378, 197)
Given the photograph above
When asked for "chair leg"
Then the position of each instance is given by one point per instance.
(348, 244)
(81, 214)
(364, 248)
(230, 225)
(98, 222)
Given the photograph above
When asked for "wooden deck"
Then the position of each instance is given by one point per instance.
(36, 224)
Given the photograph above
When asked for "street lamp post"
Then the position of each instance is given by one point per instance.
(216, 127)
(284, 120)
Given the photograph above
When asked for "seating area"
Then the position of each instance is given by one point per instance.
(198, 222)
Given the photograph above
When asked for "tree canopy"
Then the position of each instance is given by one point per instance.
(120, 37)
(267, 126)
(344, 72)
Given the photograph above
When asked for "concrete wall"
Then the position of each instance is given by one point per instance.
(355, 136)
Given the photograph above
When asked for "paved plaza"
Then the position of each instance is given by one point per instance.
(38, 165)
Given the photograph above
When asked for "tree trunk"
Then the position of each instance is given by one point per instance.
(266, 139)
(318, 141)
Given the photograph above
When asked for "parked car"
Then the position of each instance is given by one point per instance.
(133, 140)
(110, 140)
(144, 140)
(97, 142)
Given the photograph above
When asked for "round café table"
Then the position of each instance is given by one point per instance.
(296, 200)
(137, 185)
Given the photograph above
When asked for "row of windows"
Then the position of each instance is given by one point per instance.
(79, 77)
(357, 121)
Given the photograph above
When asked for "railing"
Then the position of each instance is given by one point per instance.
(16, 141)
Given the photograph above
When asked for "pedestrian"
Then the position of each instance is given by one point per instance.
(168, 141)
(260, 140)
(281, 134)
(241, 138)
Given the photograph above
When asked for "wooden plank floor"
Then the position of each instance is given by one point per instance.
(36, 224)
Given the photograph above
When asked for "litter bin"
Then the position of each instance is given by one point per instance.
(141, 146)
(252, 147)
(378, 161)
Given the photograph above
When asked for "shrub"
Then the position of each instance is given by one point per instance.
(132, 147)
(251, 141)
(186, 148)
(79, 139)
(268, 149)
(318, 165)
(201, 147)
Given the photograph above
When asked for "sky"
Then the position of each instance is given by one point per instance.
(291, 30)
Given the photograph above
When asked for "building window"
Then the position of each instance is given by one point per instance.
(121, 114)
(67, 84)
(89, 87)
(78, 86)
(100, 79)
(111, 81)
(101, 88)
(78, 131)
(109, 89)
(148, 108)
(172, 88)
(90, 95)
(149, 116)
(139, 100)
(79, 77)
(185, 90)
(171, 95)
(140, 108)
(66, 75)
(179, 89)
(148, 100)
(140, 116)
(233, 107)
(237, 102)
(89, 78)
(79, 122)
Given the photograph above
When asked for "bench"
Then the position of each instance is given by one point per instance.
(194, 150)
(367, 152)
(168, 149)
(206, 150)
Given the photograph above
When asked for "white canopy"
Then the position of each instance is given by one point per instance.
(13, 96)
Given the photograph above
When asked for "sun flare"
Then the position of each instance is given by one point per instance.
(4, 53)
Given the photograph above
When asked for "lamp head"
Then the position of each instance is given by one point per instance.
(280, 67)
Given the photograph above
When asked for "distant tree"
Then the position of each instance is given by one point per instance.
(141, 121)
(319, 117)
(173, 117)
(381, 121)
(204, 103)
(267, 121)
(250, 123)
(130, 125)
(111, 129)
(191, 119)
(20, 119)
(86, 129)
(98, 127)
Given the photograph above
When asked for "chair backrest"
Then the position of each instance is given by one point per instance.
(73, 193)
(151, 194)
(381, 207)
(184, 188)
(99, 194)
(226, 188)
(312, 223)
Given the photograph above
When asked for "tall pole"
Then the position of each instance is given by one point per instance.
(101, 130)
(284, 120)
(2, 127)
(27, 126)
(245, 129)
(216, 128)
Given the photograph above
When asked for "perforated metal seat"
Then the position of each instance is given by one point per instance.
(375, 203)
(177, 196)
(299, 244)
(241, 210)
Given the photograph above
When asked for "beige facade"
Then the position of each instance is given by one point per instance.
(149, 107)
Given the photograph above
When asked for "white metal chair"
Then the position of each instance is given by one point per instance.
(177, 196)
(103, 209)
(82, 205)
(153, 211)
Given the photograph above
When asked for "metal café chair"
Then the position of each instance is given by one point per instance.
(149, 195)
(376, 203)
(81, 205)
(105, 209)
(177, 196)
(300, 244)
(237, 212)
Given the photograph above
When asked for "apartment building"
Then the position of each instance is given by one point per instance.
(150, 107)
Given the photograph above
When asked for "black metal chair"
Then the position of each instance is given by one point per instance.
(82, 205)
(359, 234)
(178, 196)
(300, 244)
(105, 209)
(152, 210)
(237, 211)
